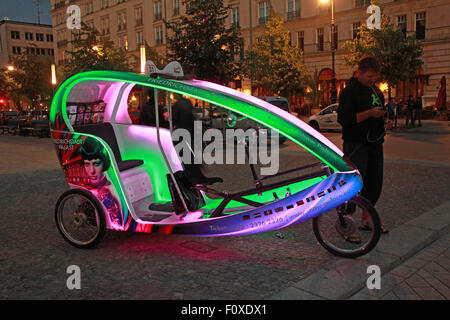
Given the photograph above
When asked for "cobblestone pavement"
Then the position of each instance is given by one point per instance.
(425, 276)
(34, 257)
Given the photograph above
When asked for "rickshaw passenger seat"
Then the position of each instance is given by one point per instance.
(105, 131)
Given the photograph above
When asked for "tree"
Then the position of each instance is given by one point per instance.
(31, 79)
(273, 63)
(92, 52)
(315, 89)
(201, 42)
(399, 55)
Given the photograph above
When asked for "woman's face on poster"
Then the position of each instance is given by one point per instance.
(94, 170)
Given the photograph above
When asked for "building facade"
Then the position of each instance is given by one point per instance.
(130, 23)
(20, 37)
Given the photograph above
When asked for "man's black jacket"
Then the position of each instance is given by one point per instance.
(355, 98)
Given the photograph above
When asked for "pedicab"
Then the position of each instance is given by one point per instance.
(128, 177)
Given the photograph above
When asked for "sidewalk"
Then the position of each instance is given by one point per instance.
(425, 276)
(413, 259)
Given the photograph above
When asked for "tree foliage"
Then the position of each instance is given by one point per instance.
(202, 43)
(273, 63)
(399, 56)
(30, 79)
(92, 52)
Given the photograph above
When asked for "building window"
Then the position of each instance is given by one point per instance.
(355, 30)
(334, 38)
(159, 35)
(301, 40)
(105, 25)
(139, 38)
(89, 7)
(123, 43)
(50, 52)
(158, 10)
(362, 3)
(29, 36)
(39, 37)
(176, 7)
(104, 4)
(49, 37)
(420, 25)
(138, 16)
(16, 50)
(264, 12)
(235, 16)
(319, 39)
(15, 35)
(401, 23)
(121, 21)
(293, 9)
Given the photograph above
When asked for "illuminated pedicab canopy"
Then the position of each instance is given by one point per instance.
(110, 89)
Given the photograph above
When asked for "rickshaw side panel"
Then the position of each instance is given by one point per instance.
(97, 176)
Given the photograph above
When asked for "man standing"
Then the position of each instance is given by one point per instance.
(418, 112)
(362, 119)
(410, 106)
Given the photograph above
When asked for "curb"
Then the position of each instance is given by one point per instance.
(346, 277)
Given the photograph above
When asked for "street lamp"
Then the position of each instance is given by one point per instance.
(333, 50)
(10, 68)
(143, 58)
(53, 68)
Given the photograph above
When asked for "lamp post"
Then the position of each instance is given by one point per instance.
(53, 69)
(333, 50)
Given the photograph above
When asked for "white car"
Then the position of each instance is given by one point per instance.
(325, 119)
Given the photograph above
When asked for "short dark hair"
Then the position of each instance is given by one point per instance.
(92, 149)
(369, 63)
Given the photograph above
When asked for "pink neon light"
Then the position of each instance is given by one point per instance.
(110, 98)
(267, 106)
(149, 134)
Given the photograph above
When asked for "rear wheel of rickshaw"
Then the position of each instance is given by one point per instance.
(80, 218)
(350, 230)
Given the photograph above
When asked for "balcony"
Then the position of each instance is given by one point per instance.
(292, 15)
(263, 20)
(61, 43)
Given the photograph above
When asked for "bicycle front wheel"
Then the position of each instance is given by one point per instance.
(350, 230)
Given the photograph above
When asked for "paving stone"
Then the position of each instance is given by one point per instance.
(416, 281)
(403, 271)
(403, 289)
(433, 267)
(404, 240)
(428, 293)
(442, 288)
(292, 293)
(390, 296)
(435, 219)
(409, 297)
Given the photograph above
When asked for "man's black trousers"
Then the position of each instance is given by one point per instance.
(368, 158)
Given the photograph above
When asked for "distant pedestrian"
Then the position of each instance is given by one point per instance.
(418, 112)
(410, 107)
(390, 107)
(397, 111)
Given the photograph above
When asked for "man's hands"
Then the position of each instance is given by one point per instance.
(371, 113)
(377, 112)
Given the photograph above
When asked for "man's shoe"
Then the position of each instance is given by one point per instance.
(366, 227)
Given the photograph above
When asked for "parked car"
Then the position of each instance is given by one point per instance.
(325, 119)
(280, 102)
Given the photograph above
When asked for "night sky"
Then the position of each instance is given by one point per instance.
(25, 10)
